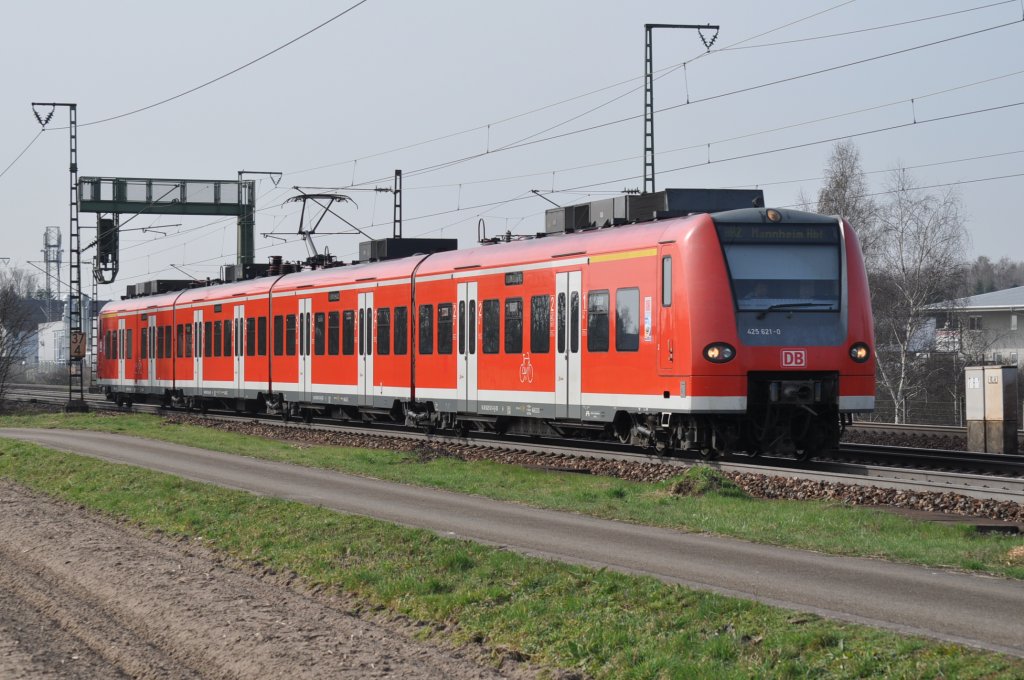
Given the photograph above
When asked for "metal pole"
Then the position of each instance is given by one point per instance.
(76, 339)
(246, 245)
(396, 226)
(649, 91)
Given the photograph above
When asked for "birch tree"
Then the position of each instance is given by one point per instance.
(917, 258)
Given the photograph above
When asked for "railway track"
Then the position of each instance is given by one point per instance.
(980, 476)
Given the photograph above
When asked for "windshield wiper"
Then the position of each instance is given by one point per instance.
(792, 305)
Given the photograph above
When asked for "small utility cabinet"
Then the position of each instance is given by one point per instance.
(992, 409)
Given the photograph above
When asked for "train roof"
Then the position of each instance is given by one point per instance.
(495, 255)
(501, 254)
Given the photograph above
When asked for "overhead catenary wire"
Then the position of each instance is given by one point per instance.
(704, 144)
(18, 157)
(867, 30)
(597, 126)
(224, 75)
(660, 72)
(529, 140)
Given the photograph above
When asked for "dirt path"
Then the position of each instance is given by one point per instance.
(84, 597)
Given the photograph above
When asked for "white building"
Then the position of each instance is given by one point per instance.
(989, 326)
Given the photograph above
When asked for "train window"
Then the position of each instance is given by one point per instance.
(666, 281)
(319, 333)
(208, 339)
(597, 321)
(362, 347)
(227, 337)
(513, 325)
(444, 328)
(239, 337)
(471, 322)
(181, 340)
(426, 326)
(216, 339)
(250, 337)
(383, 330)
(278, 335)
(348, 332)
(289, 334)
(627, 319)
(167, 341)
(574, 322)
(128, 345)
(369, 331)
(788, 266)
(261, 347)
(560, 321)
(144, 346)
(492, 326)
(159, 354)
(198, 337)
(188, 340)
(401, 330)
(333, 330)
(462, 326)
(106, 345)
(540, 324)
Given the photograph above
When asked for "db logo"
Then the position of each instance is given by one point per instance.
(794, 358)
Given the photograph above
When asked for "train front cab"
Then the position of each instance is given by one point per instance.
(796, 356)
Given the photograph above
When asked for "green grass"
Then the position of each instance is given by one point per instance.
(814, 525)
(606, 624)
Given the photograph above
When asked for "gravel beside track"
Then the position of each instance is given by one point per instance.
(917, 440)
(757, 485)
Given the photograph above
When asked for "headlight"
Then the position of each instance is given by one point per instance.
(719, 352)
(860, 352)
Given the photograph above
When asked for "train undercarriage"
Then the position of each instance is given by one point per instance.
(787, 414)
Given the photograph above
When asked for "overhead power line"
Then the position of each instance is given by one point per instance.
(662, 72)
(457, 161)
(18, 157)
(867, 30)
(229, 73)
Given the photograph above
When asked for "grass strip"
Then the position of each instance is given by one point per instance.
(832, 528)
(603, 623)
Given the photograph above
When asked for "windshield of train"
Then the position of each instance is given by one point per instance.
(783, 266)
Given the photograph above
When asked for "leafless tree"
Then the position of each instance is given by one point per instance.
(916, 260)
(845, 193)
(17, 323)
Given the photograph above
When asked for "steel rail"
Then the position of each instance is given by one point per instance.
(909, 476)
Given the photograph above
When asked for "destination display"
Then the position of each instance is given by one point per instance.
(779, 233)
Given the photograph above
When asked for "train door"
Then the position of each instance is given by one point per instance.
(150, 352)
(467, 391)
(120, 352)
(305, 361)
(240, 350)
(197, 354)
(567, 345)
(364, 388)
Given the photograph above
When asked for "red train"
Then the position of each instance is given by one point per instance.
(744, 329)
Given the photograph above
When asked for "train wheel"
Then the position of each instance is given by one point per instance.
(708, 453)
(804, 455)
(307, 416)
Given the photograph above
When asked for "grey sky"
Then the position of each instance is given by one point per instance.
(396, 72)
